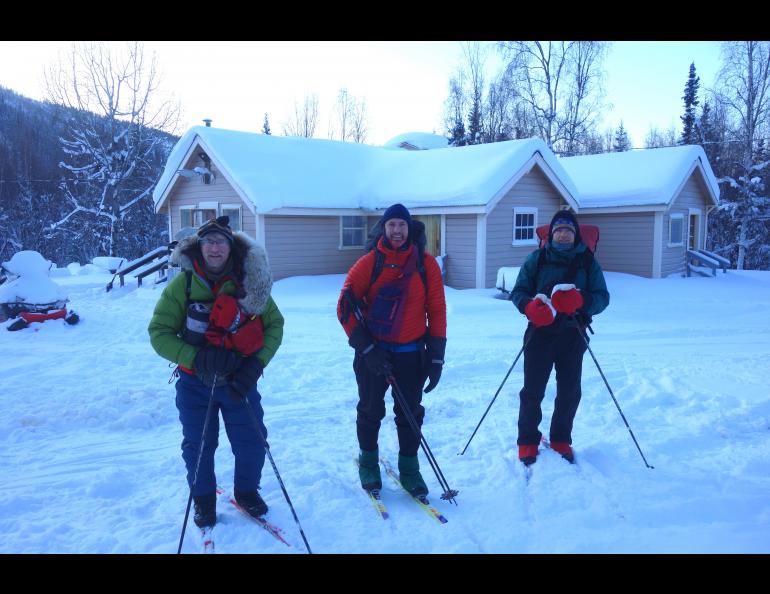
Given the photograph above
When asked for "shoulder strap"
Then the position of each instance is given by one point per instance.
(379, 260)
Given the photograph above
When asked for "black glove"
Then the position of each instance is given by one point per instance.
(378, 361)
(245, 378)
(434, 361)
(211, 359)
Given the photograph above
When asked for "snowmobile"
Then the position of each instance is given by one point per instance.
(29, 295)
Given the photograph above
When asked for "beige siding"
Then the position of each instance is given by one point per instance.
(298, 246)
(191, 192)
(625, 241)
(461, 251)
(533, 190)
(693, 195)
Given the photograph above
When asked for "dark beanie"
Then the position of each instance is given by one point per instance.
(564, 218)
(218, 225)
(397, 211)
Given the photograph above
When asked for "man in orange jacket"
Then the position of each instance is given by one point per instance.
(401, 294)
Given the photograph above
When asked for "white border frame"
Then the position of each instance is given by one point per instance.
(365, 229)
(524, 242)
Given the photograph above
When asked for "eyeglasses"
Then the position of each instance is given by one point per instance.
(206, 241)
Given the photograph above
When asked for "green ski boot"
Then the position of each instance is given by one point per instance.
(410, 477)
(369, 470)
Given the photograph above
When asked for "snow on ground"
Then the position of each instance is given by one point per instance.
(90, 441)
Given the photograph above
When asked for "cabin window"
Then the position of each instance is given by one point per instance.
(234, 212)
(352, 232)
(524, 225)
(187, 215)
(676, 230)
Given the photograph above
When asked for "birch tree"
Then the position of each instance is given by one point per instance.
(113, 146)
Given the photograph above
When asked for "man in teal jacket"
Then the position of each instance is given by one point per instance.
(218, 322)
(559, 288)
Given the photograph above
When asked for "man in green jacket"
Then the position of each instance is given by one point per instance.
(559, 288)
(218, 322)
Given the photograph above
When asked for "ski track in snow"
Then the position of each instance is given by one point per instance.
(91, 442)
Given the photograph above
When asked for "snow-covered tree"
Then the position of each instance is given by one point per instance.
(744, 92)
(266, 126)
(113, 146)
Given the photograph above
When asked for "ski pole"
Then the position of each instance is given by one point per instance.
(449, 494)
(496, 393)
(275, 469)
(622, 416)
(198, 462)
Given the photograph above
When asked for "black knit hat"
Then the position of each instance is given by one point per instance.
(397, 211)
(564, 218)
(218, 225)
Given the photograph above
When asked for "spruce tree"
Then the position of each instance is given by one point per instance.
(690, 102)
(266, 126)
(622, 142)
(474, 122)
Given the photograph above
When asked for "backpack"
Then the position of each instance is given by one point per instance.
(589, 235)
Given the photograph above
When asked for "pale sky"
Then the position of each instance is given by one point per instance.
(404, 83)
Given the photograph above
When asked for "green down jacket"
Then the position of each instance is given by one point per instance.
(170, 314)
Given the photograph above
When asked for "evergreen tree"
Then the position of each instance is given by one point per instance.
(689, 135)
(621, 142)
(474, 122)
(266, 126)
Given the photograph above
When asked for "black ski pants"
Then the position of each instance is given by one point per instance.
(544, 352)
(407, 371)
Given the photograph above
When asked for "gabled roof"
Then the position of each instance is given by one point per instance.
(650, 177)
(278, 172)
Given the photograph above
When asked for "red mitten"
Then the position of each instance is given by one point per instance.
(225, 313)
(217, 337)
(539, 311)
(566, 299)
(248, 339)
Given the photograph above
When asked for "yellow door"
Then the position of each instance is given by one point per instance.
(432, 233)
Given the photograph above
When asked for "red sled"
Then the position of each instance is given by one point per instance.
(30, 317)
(589, 234)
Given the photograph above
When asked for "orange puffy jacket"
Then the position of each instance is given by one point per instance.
(423, 308)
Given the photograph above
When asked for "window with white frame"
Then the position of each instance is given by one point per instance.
(352, 231)
(524, 225)
(676, 229)
(187, 216)
(234, 212)
(195, 216)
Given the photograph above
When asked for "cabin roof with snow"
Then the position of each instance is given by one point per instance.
(638, 178)
(278, 172)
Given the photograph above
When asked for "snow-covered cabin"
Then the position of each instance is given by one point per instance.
(650, 205)
(311, 202)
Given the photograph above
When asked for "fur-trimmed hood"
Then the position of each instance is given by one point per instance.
(257, 279)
